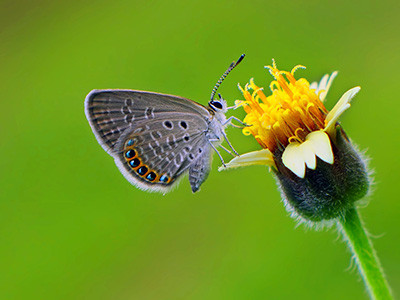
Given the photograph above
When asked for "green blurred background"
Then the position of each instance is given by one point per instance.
(71, 227)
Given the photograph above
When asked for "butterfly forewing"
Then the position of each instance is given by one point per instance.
(111, 112)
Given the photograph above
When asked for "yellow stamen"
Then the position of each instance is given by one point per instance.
(288, 115)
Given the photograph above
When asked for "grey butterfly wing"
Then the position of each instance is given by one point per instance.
(199, 169)
(153, 138)
(111, 112)
(153, 156)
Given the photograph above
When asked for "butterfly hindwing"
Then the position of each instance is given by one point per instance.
(199, 169)
(156, 153)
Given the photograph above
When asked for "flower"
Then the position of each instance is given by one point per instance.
(318, 170)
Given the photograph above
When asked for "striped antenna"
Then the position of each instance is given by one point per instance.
(231, 67)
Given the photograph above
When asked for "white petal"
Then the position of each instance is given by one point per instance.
(327, 86)
(297, 156)
(323, 82)
(320, 145)
(293, 159)
(309, 155)
(323, 85)
(339, 108)
(314, 85)
(261, 157)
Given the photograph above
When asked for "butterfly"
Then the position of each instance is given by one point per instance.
(156, 138)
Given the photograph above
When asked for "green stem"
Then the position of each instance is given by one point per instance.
(364, 254)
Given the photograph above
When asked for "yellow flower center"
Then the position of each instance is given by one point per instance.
(288, 115)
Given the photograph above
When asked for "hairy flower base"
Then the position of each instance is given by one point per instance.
(326, 192)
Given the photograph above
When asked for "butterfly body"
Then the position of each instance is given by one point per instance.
(156, 138)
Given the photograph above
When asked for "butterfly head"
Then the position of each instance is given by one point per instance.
(218, 105)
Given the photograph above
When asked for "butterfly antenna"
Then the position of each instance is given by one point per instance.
(231, 67)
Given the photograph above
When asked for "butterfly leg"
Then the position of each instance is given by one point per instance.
(236, 126)
(229, 122)
(215, 149)
(229, 143)
(235, 106)
(227, 150)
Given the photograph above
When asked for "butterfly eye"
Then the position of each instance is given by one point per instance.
(216, 104)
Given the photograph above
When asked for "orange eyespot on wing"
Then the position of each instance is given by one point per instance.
(135, 163)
